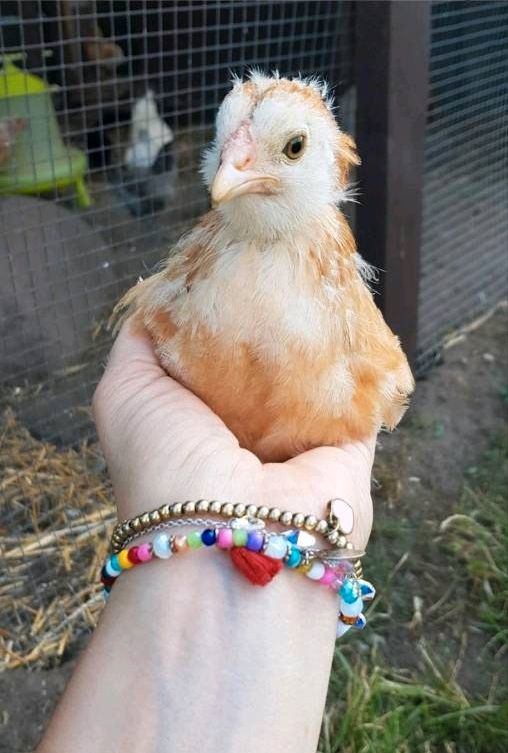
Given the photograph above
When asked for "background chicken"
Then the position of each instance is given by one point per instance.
(263, 309)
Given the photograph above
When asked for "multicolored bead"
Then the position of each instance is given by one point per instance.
(349, 609)
(328, 577)
(161, 546)
(110, 570)
(294, 557)
(276, 547)
(225, 538)
(133, 555)
(255, 541)
(124, 561)
(317, 570)
(144, 552)
(239, 537)
(367, 590)
(180, 544)
(209, 537)
(194, 540)
(350, 591)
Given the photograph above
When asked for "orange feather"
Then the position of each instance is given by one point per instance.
(280, 337)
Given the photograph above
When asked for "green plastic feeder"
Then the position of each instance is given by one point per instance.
(40, 161)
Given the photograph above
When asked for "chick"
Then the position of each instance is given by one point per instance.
(264, 309)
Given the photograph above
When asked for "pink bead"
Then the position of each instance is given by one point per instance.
(225, 538)
(328, 577)
(342, 569)
(144, 553)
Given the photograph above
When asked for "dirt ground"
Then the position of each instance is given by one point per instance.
(419, 476)
(420, 473)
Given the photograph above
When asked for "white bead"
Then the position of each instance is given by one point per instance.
(305, 539)
(111, 571)
(277, 547)
(341, 629)
(351, 610)
(316, 571)
(161, 546)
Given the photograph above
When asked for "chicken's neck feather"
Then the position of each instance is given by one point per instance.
(324, 248)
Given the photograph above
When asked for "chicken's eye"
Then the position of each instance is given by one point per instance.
(295, 147)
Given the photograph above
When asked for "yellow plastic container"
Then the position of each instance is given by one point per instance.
(40, 161)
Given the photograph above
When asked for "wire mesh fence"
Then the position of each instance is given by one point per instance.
(104, 110)
(464, 252)
(113, 103)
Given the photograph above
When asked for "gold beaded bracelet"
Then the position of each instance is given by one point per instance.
(330, 528)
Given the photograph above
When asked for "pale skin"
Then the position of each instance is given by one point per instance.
(188, 656)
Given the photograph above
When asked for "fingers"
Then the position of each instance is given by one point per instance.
(358, 455)
(132, 367)
(136, 393)
(133, 348)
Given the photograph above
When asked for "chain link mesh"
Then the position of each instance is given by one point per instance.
(464, 252)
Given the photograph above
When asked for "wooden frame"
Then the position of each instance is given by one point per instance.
(392, 61)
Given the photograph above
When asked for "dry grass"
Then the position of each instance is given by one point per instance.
(55, 518)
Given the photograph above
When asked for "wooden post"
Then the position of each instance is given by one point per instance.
(392, 59)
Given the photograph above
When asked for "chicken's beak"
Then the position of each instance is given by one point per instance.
(237, 174)
(231, 182)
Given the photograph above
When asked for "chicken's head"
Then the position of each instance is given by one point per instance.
(278, 159)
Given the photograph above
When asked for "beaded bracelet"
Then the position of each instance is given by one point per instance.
(330, 556)
(340, 578)
(305, 538)
(334, 528)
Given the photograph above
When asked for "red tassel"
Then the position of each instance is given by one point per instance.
(257, 568)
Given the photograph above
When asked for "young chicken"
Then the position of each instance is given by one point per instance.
(263, 310)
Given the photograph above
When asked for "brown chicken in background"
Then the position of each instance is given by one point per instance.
(263, 310)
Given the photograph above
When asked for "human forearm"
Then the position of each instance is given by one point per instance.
(190, 657)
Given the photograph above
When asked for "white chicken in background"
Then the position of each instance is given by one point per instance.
(150, 169)
(149, 133)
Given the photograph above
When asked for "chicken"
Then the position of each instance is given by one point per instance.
(263, 310)
(149, 165)
(149, 134)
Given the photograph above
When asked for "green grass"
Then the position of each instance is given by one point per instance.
(380, 712)
(424, 684)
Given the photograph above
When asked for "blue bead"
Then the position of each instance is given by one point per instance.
(350, 591)
(295, 557)
(367, 589)
(360, 622)
(114, 564)
(255, 541)
(209, 537)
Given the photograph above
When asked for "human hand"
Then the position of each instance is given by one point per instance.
(163, 444)
(180, 645)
